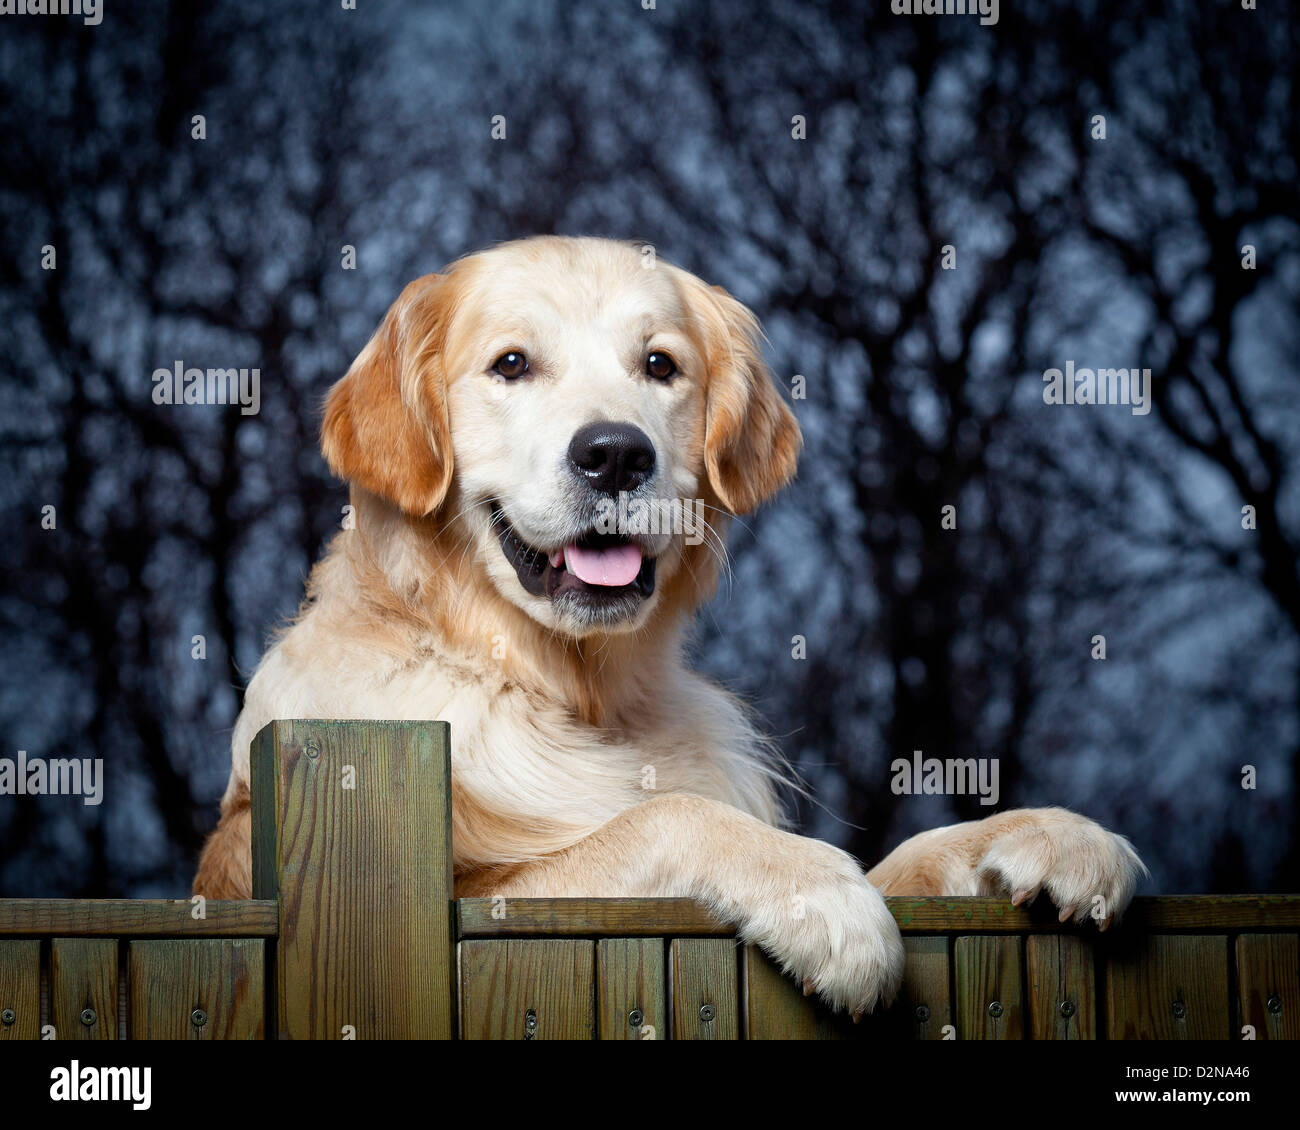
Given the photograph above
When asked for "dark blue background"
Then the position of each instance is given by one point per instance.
(372, 128)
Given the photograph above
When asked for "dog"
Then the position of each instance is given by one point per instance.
(494, 432)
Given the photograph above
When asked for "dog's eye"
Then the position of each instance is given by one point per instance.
(511, 365)
(660, 366)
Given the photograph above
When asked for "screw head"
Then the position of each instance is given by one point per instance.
(198, 1018)
(530, 1020)
(1180, 1010)
(922, 1012)
(1273, 1004)
(707, 1013)
(636, 1018)
(311, 747)
(1067, 1009)
(995, 1009)
(88, 1016)
(8, 1016)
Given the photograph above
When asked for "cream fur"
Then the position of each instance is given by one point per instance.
(588, 759)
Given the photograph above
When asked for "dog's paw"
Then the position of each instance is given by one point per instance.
(1085, 870)
(830, 930)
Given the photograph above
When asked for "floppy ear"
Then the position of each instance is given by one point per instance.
(386, 426)
(751, 438)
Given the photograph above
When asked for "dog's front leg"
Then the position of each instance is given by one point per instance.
(1087, 871)
(806, 903)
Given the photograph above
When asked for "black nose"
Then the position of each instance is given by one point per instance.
(612, 457)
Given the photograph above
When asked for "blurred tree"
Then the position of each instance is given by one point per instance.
(930, 143)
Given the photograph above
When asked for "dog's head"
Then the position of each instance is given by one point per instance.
(579, 414)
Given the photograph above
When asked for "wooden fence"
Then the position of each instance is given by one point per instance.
(355, 933)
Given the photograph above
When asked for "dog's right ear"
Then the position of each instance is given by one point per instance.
(386, 425)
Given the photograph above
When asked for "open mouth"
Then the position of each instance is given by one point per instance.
(593, 569)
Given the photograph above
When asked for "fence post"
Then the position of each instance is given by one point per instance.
(352, 838)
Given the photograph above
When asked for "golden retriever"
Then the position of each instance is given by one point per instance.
(487, 429)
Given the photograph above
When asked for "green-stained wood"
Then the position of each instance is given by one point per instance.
(590, 918)
(20, 989)
(776, 1009)
(1167, 914)
(134, 918)
(351, 833)
(200, 989)
(527, 989)
(1168, 988)
(597, 918)
(83, 988)
(924, 1006)
(1062, 987)
(1268, 985)
(704, 989)
(630, 987)
(987, 972)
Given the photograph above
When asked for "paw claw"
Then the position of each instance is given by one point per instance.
(808, 987)
(1024, 895)
(1067, 912)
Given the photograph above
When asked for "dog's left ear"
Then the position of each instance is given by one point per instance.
(751, 438)
(386, 425)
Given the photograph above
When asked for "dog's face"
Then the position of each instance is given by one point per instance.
(578, 412)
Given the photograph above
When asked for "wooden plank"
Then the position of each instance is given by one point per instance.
(133, 918)
(1062, 987)
(527, 989)
(1186, 914)
(1172, 914)
(630, 989)
(776, 1009)
(704, 988)
(203, 989)
(1178, 914)
(924, 1006)
(20, 990)
(590, 918)
(1168, 988)
(258, 918)
(1268, 985)
(351, 832)
(83, 988)
(987, 973)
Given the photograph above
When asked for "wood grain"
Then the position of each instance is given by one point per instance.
(776, 1009)
(1268, 985)
(1168, 988)
(595, 918)
(527, 989)
(924, 1006)
(987, 972)
(1168, 914)
(630, 979)
(134, 918)
(203, 989)
(704, 988)
(590, 918)
(362, 875)
(83, 988)
(20, 989)
(1062, 987)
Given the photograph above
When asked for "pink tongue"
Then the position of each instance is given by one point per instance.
(618, 565)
